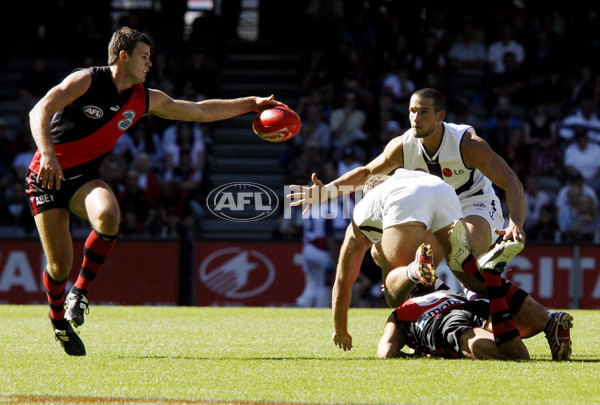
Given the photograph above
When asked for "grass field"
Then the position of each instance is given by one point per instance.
(269, 355)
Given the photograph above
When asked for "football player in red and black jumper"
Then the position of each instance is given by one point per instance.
(75, 125)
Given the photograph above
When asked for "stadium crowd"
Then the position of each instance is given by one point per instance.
(523, 75)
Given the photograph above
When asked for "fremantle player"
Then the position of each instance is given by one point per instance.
(75, 125)
(464, 160)
(391, 220)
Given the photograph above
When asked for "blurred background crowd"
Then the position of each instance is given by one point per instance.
(524, 74)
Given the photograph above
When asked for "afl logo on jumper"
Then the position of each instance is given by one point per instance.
(93, 112)
(127, 120)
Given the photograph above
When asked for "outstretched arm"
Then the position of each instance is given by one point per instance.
(351, 256)
(307, 196)
(210, 110)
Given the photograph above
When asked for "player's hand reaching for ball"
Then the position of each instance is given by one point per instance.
(307, 196)
(263, 103)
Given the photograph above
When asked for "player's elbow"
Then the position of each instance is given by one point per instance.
(386, 350)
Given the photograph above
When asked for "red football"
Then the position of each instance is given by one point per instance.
(277, 124)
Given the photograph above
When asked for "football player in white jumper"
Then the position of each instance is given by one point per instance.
(467, 162)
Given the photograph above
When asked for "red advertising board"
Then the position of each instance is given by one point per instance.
(544, 273)
(248, 274)
(136, 273)
(590, 268)
(263, 274)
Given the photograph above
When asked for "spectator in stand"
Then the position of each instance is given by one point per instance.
(25, 152)
(14, 210)
(398, 83)
(318, 255)
(463, 111)
(347, 121)
(546, 229)
(586, 117)
(554, 91)
(200, 74)
(8, 150)
(175, 211)
(503, 44)
(535, 199)
(511, 82)
(357, 73)
(148, 180)
(541, 55)
(586, 86)
(429, 58)
(161, 70)
(113, 170)
(572, 191)
(188, 136)
(583, 156)
(391, 129)
(579, 220)
(504, 132)
(384, 110)
(139, 213)
(467, 58)
(539, 126)
(35, 81)
(314, 127)
(190, 182)
(317, 72)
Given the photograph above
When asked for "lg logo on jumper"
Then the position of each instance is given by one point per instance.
(242, 202)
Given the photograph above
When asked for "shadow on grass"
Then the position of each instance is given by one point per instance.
(577, 359)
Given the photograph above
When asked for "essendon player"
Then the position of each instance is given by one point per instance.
(75, 125)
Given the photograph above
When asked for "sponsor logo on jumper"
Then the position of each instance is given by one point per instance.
(436, 310)
(127, 121)
(42, 199)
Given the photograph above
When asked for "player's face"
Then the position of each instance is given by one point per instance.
(423, 118)
(139, 63)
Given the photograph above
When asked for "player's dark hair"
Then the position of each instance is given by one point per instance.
(125, 39)
(439, 104)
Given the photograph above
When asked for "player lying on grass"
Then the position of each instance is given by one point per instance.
(391, 220)
(446, 324)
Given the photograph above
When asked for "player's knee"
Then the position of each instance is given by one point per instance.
(59, 268)
(108, 220)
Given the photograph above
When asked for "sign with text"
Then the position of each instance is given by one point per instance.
(134, 274)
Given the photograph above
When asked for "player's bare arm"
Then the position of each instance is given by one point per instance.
(390, 159)
(211, 110)
(71, 88)
(351, 255)
(392, 341)
(479, 155)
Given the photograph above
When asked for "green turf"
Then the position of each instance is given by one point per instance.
(273, 355)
